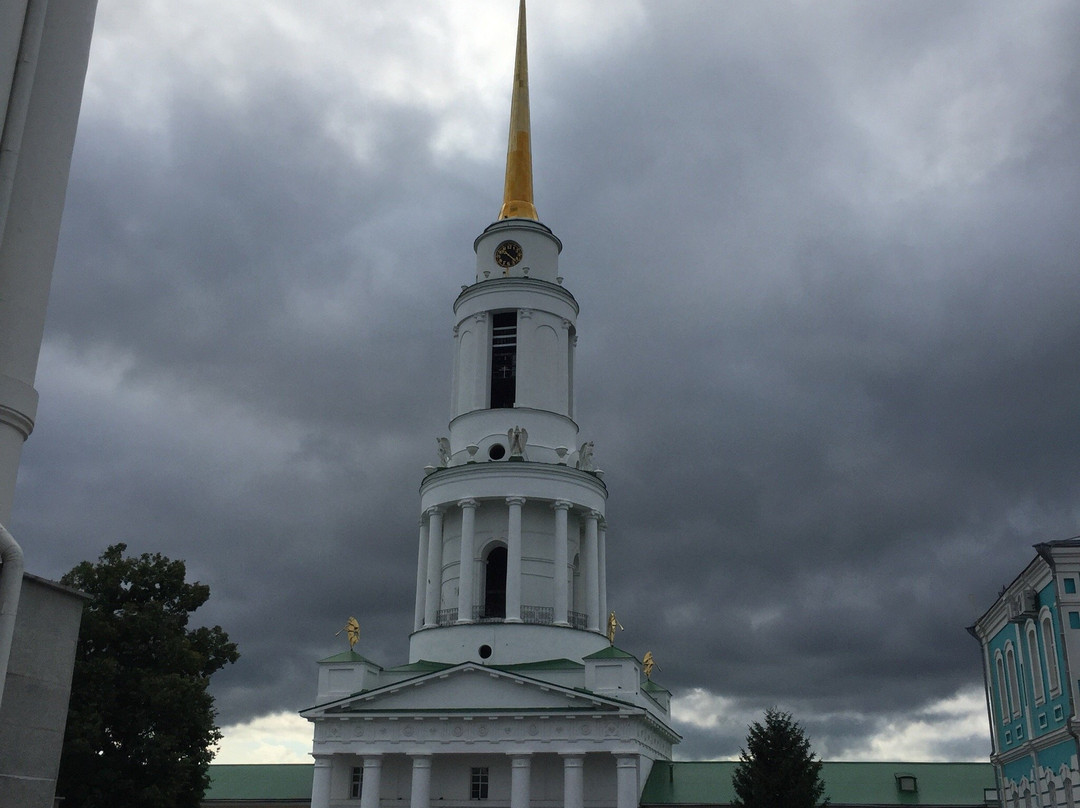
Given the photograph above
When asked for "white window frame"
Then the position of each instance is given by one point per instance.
(1031, 640)
(1049, 638)
(1014, 682)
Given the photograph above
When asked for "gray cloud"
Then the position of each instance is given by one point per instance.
(827, 265)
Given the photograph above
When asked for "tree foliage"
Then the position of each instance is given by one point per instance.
(778, 769)
(141, 722)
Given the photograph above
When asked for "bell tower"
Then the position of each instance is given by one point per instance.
(513, 692)
(512, 533)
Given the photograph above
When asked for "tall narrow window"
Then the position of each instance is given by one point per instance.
(495, 583)
(479, 790)
(503, 359)
(1014, 685)
(356, 786)
(1034, 663)
(1050, 648)
(1002, 688)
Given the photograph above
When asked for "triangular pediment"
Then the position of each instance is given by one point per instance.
(471, 688)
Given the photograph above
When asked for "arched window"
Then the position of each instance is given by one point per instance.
(1002, 687)
(1050, 647)
(1033, 662)
(1067, 787)
(495, 582)
(1014, 685)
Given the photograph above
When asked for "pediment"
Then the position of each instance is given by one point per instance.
(471, 688)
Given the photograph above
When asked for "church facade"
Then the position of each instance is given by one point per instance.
(1030, 640)
(514, 693)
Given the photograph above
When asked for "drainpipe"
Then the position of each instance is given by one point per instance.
(11, 575)
(22, 83)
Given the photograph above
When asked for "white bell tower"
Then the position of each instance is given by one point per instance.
(512, 533)
(513, 693)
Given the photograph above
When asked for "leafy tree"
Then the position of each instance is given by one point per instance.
(778, 769)
(141, 722)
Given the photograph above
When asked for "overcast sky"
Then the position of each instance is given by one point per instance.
(827, 262)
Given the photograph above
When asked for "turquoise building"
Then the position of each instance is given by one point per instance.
(1030, 659)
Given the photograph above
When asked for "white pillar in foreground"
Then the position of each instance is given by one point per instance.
(520, 769)
(465, 580)
(591, 563)
(513, 560)
(573, 781)
(420, 795)
(369, 791)
(421, 577)
(320, 783)
(434, 566)
(626, 775)
(562, 594)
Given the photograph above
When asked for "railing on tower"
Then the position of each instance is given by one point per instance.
(577, 620)
(446, 617)
(540, 615)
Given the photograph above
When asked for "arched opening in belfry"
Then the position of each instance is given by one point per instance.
(495, 582)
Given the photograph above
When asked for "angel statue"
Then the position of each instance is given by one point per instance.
(444, 451)
(613, 624)
(647, 664)
(585, 461)
(518, 438)
(352, 631)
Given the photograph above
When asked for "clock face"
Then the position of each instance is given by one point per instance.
(508, 254)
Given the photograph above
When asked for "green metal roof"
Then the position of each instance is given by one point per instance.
(420, 666)
(260, 781)
(680, 783)
(544, 665)
(938, 784)
(611, 652)
(348, 656)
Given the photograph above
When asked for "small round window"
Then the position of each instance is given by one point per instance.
(485, 651)
(497, 451)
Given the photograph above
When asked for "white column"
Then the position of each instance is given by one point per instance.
(590, 562)
(562, 595)
(481, 372)
(420, 795)
(520, 768)
(421, 576)
(601, 565)
(573, 781)
(513, 560)
(434, 565)
(465, 581)
(626, 781)
(320, 783)
(369, 791)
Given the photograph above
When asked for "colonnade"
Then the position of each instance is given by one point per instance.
(430, 564)
(626, 779)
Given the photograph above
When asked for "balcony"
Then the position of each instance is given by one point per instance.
(534, 615)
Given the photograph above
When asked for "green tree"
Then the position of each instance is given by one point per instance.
(141, 722)
(778, 769)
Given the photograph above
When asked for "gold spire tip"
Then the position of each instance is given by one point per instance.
(518, 191)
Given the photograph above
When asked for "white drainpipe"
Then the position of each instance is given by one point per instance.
(11, 576)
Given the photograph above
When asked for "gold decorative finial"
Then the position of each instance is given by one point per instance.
(613, 624)
(352, 631)
(518, 192)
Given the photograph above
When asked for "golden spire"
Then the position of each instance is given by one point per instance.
(518, 193)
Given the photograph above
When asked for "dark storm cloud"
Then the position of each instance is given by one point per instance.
(827, 265)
